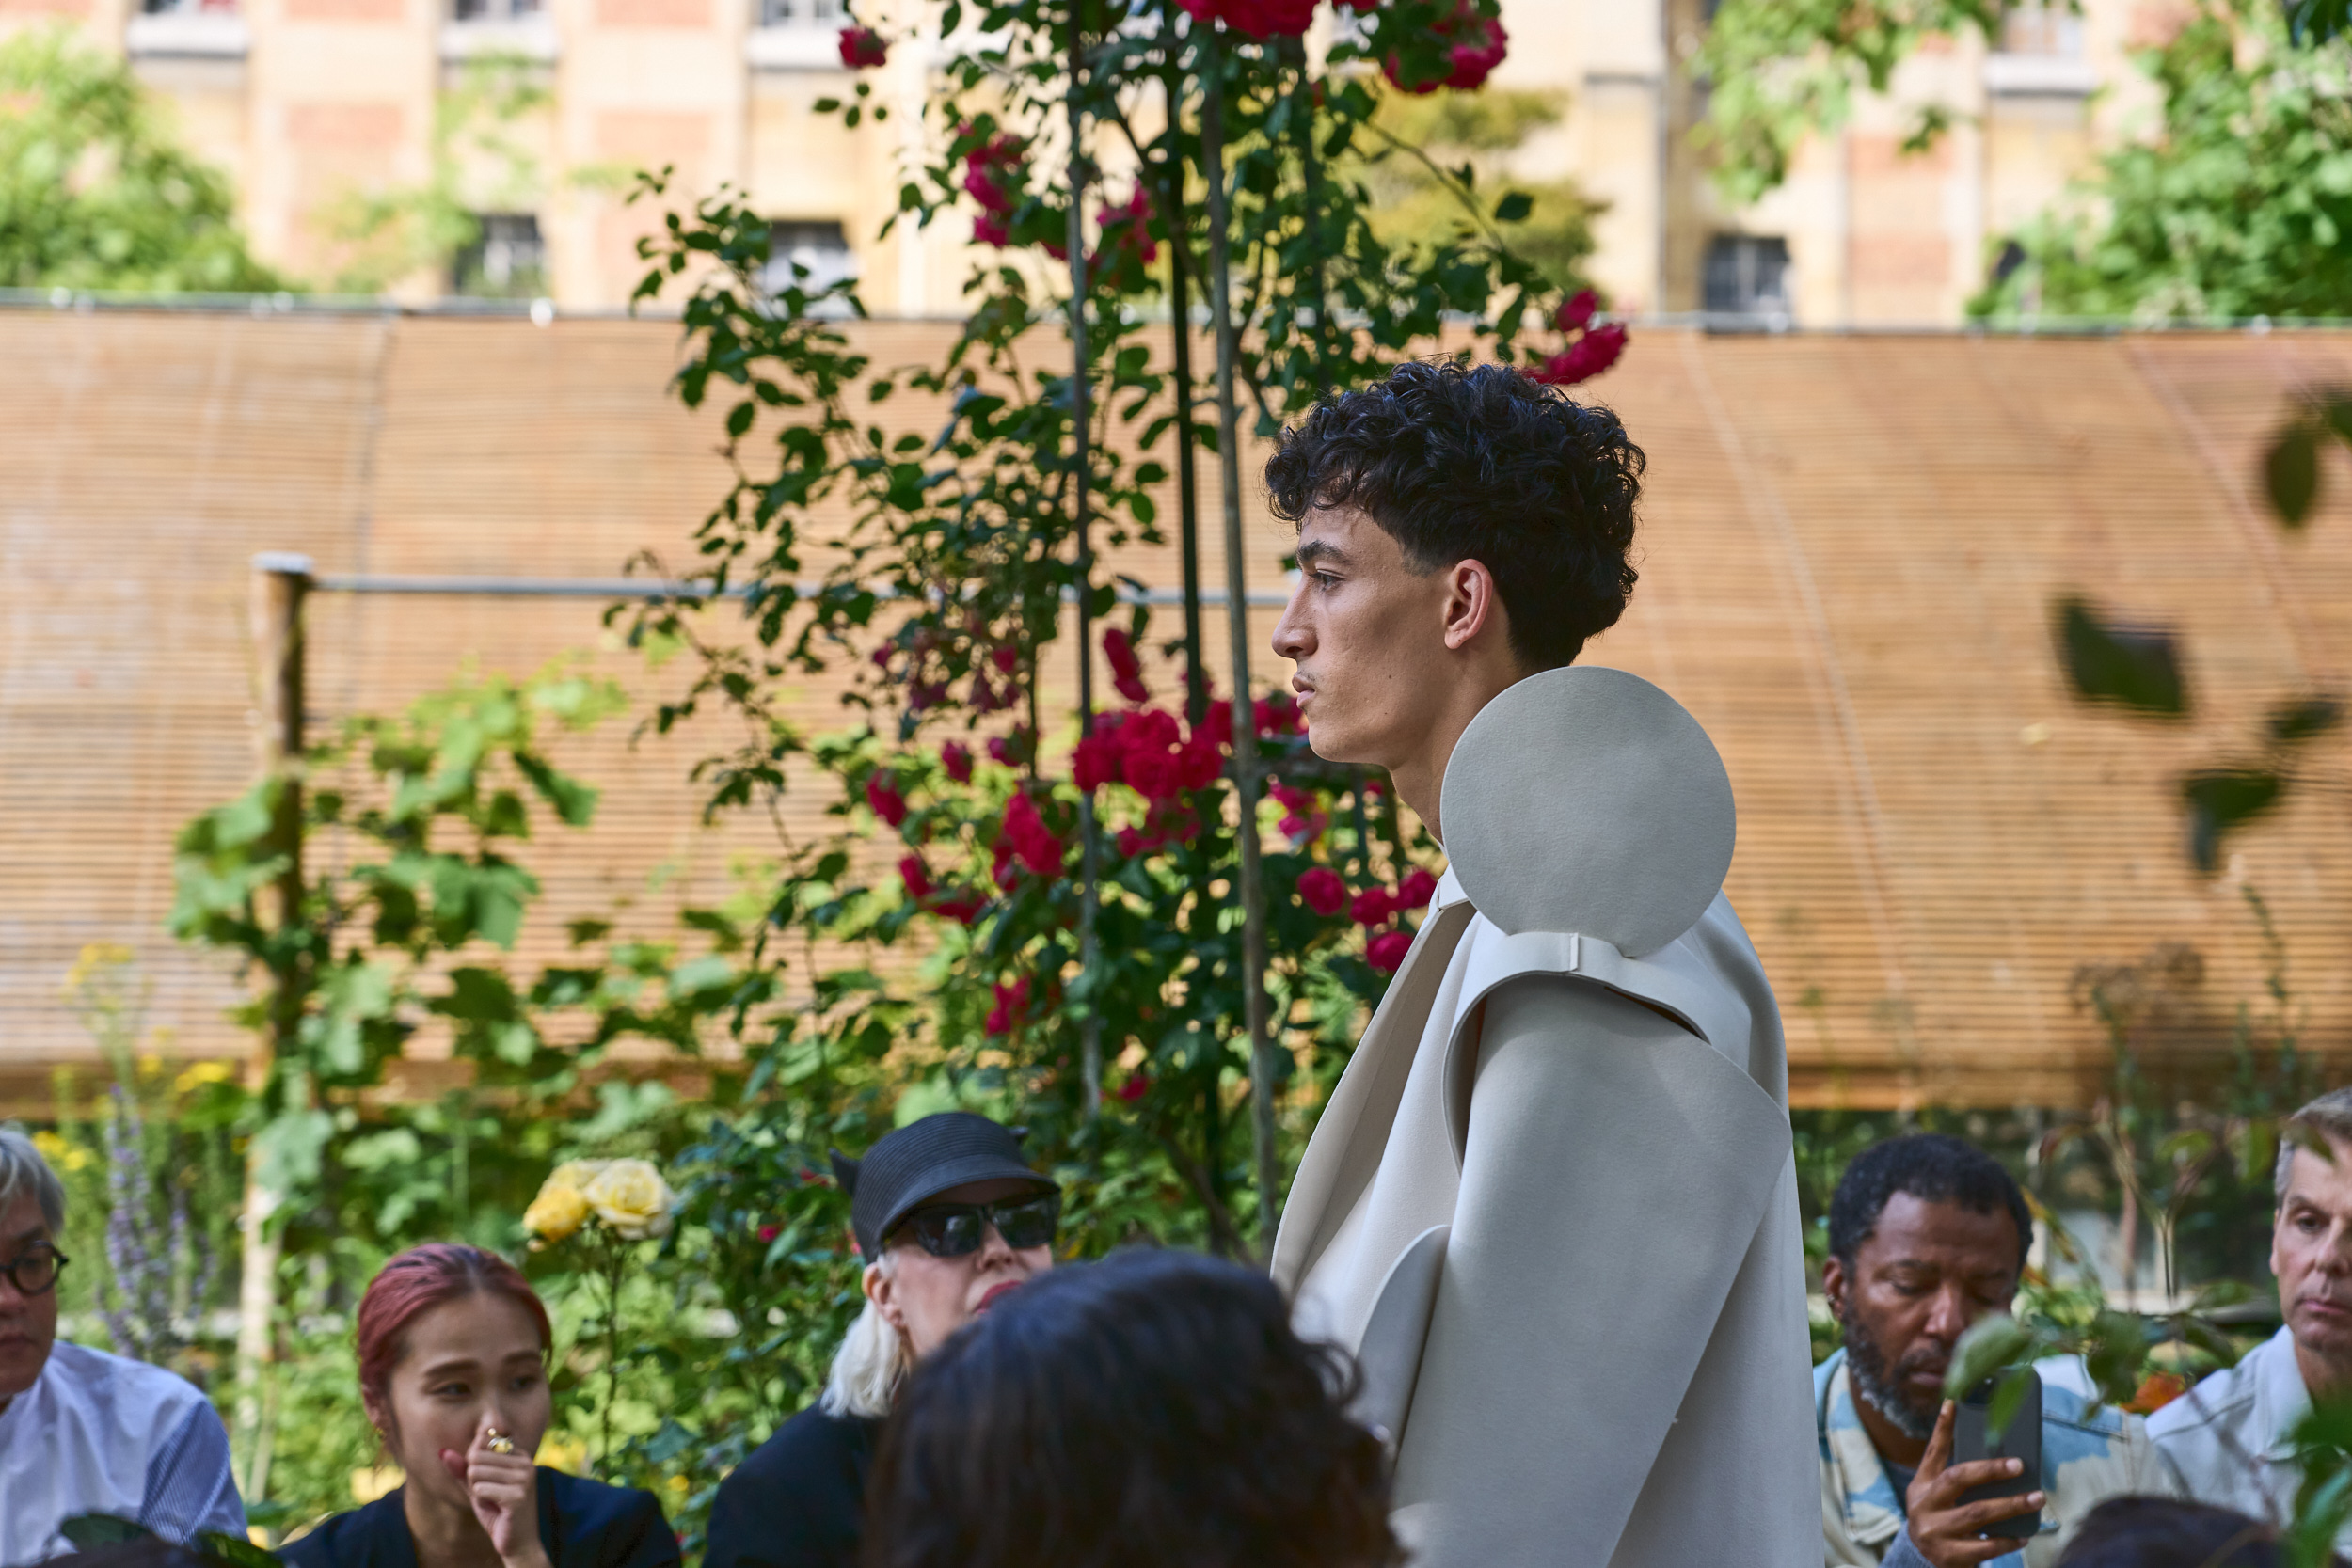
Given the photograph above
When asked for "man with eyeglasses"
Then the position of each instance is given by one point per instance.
(83, 1431)
(949, 1219)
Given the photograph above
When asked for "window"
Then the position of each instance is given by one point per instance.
(495, 10)
(802, 13)
(817, 247)
(507, 260)
(187, 7)
(2045, 29)
(1747, 275)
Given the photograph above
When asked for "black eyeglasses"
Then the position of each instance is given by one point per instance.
(35, 1273)
(954, 1229)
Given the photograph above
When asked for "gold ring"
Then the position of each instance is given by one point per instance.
(500, 1442)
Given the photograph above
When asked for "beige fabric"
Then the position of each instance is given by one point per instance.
(1615, 1368)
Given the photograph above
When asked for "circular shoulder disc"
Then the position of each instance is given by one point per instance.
(1587, 800)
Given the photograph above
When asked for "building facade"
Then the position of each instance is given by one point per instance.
(534, 115)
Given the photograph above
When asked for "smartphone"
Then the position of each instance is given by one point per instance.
(2020, 1439)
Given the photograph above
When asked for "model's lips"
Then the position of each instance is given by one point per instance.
(996, 1293)
(2329, 1307)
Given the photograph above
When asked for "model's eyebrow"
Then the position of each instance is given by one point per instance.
(1315, 550)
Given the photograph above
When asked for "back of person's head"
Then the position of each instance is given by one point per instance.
(1152, 1409)
(1932, 1167)
(418, 1280)
(1459, 463)
(2165, 1532)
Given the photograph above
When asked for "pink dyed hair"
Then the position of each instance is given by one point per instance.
(420, 1279)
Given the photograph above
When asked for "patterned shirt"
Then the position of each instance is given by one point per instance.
(98, 1434)
(2089, 1454)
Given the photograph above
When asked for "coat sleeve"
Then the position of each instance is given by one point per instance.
(1616, 1169)
(639, 1535)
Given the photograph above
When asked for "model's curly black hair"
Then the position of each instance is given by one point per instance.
(1152, 1410)
(1480, 463)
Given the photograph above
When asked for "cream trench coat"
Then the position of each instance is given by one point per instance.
(1551, 1205)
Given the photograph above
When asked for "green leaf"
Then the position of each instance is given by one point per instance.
(2291, 473)
(2221, 800)
(2300, 719)
(1991, 1345)
(574, 802)
(1514, 207)
(2134, 667)
(90, 1531)
(220, 1547)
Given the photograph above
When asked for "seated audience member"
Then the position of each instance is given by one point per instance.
(452, 1373)
(1154, 1410)
(948, 1219)
(1927, 1234)
(83, 1431)
(2226, 1441)
(2164, 1532)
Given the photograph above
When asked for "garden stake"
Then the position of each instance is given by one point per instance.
(1252, 889)
(1089, 849)
(1180, 319)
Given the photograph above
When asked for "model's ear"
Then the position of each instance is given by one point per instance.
(1473, 605)
(1834, 1286)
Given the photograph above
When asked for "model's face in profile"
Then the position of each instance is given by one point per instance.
(2311, 1252)
(1926, 1272)
(928, 1298)
(1367, 632)
(465, 1366)
(29, 1324)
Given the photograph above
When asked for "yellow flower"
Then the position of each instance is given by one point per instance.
(575, 1174)
(555, 1214)
(630, 1197)
(61, 1154)
(197, 1074)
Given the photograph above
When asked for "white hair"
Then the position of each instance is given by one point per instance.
(873, 1360)
(2329, 1119)
(23, 1170)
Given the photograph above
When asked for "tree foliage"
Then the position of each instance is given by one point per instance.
(2240, 204)
(95, 190)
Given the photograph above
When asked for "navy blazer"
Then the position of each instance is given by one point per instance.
(583, 1523)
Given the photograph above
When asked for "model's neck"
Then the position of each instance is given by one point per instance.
(1420, 778)
(446, 1536)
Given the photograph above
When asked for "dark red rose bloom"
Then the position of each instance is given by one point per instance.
(1387, 950)
(1372, 906)
(1260, 18)
(1321, 890)
(957, 758)
(1415, 890)
(1590, 355)
(1012, 1006)
(1033, 843)
(917, 876)
(961, 908)
(883, 795)
(1135, 1087)
(861, 47)
(1575, 311)
(1096, 760)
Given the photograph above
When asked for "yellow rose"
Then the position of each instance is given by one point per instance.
(555, 1214)
(576, 1174)
(630, 1197)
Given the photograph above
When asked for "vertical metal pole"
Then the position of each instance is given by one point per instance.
(1091, 856)
(1310, 172)
(280, 583)
(1180, 314)
(1253, 890)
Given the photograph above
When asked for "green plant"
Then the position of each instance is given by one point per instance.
(95, 190)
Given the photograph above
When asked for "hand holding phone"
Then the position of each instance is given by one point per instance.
(1963, 1509)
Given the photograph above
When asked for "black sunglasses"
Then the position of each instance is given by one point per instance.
(35, 1273)
(954, 1229)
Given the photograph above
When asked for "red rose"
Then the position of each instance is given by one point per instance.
(884, 797)
(1133, 1090)
(770, 1232)
(1095, 762)
(1576, 312)
(1322, 891)
(1386, 951)
(1372, 906)
(1415, 890)
(1217, 725)
(917, 876)
(1121, 650)
(1198, 763)
(1260, 18)
(957, 758)
(1587, 357)
(961, 908)
(1012, 1006)
(1278, 714)
(861, 47)
(1477, 45)
(1033, 843)
(1151, 772)
(1008, 657)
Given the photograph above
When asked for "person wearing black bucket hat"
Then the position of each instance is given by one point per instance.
(948, 1219)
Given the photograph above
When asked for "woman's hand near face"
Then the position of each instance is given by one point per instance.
(505, 1490)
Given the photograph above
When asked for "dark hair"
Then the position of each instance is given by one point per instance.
(2164, 1532)
(1151, 1409)
(1457, 461)
(1932, 1167)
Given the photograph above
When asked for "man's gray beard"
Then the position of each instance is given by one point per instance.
(1865, 1364)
